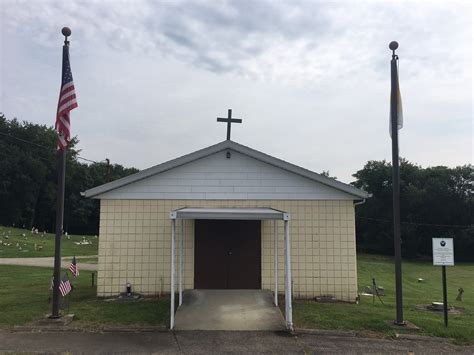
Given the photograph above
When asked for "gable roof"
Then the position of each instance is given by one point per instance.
(227, 144)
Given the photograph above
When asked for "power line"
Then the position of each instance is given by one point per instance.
(89, 160)
(366, 218)
(419, 224)
(25, 141)
(45, 147)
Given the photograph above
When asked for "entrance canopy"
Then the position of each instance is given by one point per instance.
(230, 213)
(261, 213)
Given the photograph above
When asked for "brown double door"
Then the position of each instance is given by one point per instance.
(227, 254)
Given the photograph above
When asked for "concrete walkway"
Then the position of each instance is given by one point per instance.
(228, 310)
(49, 262)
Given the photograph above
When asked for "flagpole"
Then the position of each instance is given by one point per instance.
(396, 184)
(61, 155)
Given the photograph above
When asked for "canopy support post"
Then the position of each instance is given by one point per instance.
(288, 295)
(181, 262)
(275, 258)
(173, 247)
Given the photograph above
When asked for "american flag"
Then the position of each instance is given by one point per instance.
(67, 102)
(73, 267)
(65, 286)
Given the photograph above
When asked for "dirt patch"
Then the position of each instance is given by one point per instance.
(430, 308)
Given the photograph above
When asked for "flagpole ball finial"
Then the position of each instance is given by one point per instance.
(66, 31)
(393, 45)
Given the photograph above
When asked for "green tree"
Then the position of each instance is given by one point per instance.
(27, 163)
(28, 179)
(434, 201)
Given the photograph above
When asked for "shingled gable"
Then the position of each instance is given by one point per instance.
(228, 144)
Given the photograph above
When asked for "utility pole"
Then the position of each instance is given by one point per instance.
(107, 173)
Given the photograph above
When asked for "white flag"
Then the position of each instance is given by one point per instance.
(399, 108)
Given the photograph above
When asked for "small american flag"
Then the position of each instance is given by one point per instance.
(73, 267)
(67, 102)
(65, 286)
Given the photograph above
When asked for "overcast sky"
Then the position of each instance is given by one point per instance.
(310, 79)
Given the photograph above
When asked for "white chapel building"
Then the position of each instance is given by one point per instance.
(226, 211)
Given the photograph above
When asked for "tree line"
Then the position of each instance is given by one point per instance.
(28, 180)
(435, 201)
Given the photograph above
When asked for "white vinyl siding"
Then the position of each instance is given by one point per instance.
(217, 178)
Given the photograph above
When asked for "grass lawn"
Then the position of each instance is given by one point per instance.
(368, 317)
(25, 292)
(20, 243)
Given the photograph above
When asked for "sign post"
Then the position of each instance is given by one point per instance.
(443, 254)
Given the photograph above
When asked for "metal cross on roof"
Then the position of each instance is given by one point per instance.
(229, 120)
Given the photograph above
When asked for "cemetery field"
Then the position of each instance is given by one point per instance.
(21, 243)
(25, 293)
(369, 318)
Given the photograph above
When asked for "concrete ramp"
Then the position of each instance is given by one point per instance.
(228, 310)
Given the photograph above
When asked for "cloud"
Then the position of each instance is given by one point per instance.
(292, 41)
(309, 78)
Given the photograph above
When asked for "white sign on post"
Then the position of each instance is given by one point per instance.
(443, 251)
